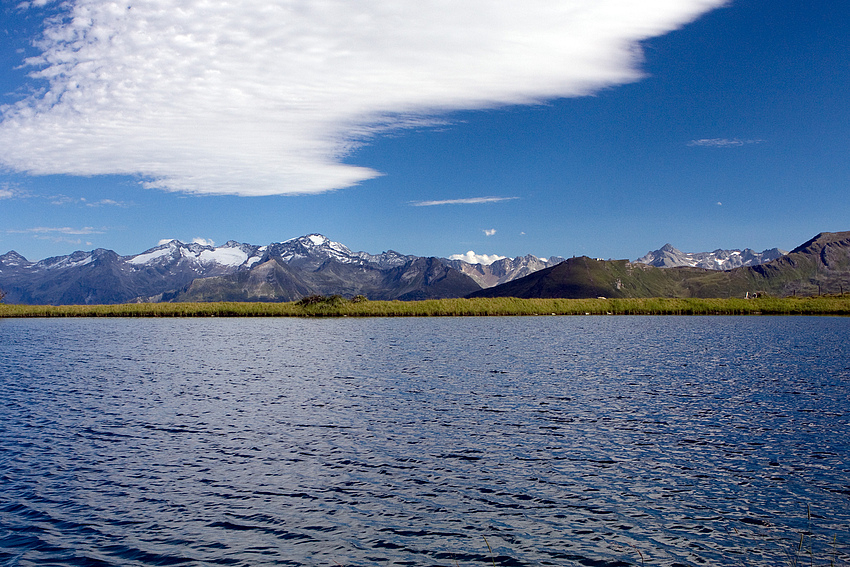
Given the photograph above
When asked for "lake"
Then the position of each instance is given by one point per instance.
(597, 441)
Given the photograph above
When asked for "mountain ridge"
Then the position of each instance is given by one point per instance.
(314, 264)
(177, 271)
(670, 257)
(820, 265)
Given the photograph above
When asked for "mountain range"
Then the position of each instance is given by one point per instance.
(821, 265)
(669, 257)
(176, 271)
(503, 270)
(314, 264)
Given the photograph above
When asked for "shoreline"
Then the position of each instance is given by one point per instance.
(336, 306)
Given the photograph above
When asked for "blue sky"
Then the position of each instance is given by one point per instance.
(598, 127)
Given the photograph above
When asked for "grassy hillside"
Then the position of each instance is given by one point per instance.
(585, 277)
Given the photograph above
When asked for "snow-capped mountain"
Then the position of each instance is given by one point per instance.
(279, 271)
(669, 257)
(196, 260)
(503, 270)
(200, 257)
(284, 271)
(12, 260)
(311, 251)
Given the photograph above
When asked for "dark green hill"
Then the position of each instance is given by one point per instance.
(821, 265)
(584, 277)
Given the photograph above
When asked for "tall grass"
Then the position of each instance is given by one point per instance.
(336, 306)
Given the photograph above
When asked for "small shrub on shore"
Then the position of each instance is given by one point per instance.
(331, 300)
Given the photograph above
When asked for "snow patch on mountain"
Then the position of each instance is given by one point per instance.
(147, 257)
(224, 256)
(74, 260)
(232, 254)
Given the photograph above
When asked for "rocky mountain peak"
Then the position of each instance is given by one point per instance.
(669, 256)
(13, 259)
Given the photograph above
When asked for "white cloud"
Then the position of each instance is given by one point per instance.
(722, 142)
(470, 201)
(107, 203)
(34, 3)
(57, 230)
(58, 239)
(165, 241)
(260, 97)
(473, 258)
(489, 231)
(58, 233)
(62, 200)
(11, 191)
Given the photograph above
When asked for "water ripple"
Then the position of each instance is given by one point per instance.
(520, 441)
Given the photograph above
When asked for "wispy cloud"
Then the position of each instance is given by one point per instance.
(263, 97)
(470, 201)
(63, 234)
(473, 258)
(64, 239)
(108, 203)
(722, 142)
(489, 231)
(57, 230)
(11, 191)
(35, 3)
(62, 200)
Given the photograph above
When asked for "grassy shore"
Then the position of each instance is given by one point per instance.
(336, 306)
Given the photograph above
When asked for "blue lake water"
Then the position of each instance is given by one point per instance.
(552, 440)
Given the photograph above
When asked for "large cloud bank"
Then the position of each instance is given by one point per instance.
(261, 97)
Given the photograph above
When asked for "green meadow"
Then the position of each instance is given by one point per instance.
(336, 306)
